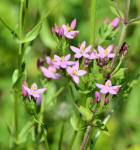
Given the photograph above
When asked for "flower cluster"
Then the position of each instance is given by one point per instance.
(66, 30)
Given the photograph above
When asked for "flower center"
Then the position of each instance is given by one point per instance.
(75, 72)
(34, 87)
(53, 60)
(94, 51)
(68, 28)
(62, 58)
(108, 83)
(106, 51)
(53, 70)
(81, 52)
(82, 47)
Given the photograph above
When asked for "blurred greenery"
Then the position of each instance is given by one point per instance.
(124, 125)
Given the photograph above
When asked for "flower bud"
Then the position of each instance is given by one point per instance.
(39, 100)
(106, 100)
(61, 31)
(91, 101)
(86, 63)
(73, 24)
(40, 63)
(106, 20)
(115, 22)
(124, 48)
(24, 93)
(97, 96)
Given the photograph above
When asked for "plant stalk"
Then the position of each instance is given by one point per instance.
(86, 138)
(72, 140)
(92, 21)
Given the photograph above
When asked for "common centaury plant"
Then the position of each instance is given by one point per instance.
(90, 75)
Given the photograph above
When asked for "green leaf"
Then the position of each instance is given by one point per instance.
(75, 121)
(30, 36)
(119, 74)
(136, 147)
(114, 11)
(87, 114)
(136, 22)
(15, 76)
(98, 124)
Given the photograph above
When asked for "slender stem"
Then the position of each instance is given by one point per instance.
(16, 94)
(46, 141)
(118, 66)
(93, 141)
(92, 21)
(133, 20)
(16, 114)
(72, 140)
(119, 45)
(116, 6)
(86, 138)
(127, 11)
(61, 137)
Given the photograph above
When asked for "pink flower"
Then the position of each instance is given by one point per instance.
(93, 54)
(52, 62)
(82, 51)
(106, 52)
(50, 72)
(115, 22)
(108, 88)
(74, 72)
(69, 30)
(34, 91)
(59, 32)
(97, 96)
(63, 62)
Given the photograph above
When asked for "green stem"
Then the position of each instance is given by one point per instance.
(122, 36)
(92, 21)
(61, 137)
(46, 141)
(72, 140)
(16, 114)
(94, 139)
(89, 128)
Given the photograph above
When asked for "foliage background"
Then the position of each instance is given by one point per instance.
(124, 125)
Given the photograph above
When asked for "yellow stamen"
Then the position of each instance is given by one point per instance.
(62, 58)
(75, 72)
(106, 51)
(52, 69)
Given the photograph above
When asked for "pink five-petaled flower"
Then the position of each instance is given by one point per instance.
(33, 91)
(93, 54)
(63, 61)
(82, 51)
(74, 72)
(51, 62)
(106, 53)
(108, 88)
(69, 30)
(50, 72)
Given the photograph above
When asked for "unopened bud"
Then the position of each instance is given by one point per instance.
(91, 101)
(24, 93)
(86, 63)
(61, 31)
(124, 48)
(40, 63)
(97, 96)
(106, 100)
(39, 100)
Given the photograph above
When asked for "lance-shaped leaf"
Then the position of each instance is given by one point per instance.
(75, 121)
(86, 113)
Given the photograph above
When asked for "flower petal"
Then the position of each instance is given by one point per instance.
(76, 79)
(83, 44)
(67, 57)
(104, 91)
(39, 91)
(73, 24)
(81, 72)
(57, 58)
(74, 49)
(100, 85)
(110, 48)
(108, 83)
(78, 55)
(111, 55)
